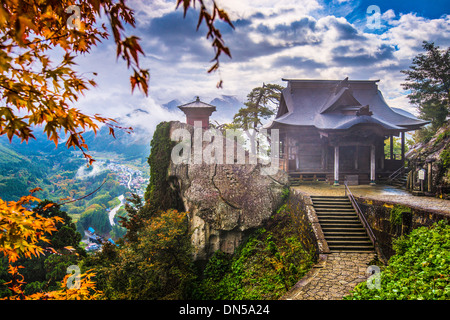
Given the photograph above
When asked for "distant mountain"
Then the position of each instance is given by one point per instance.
(135, 144)
(172, 105)
(125, 144)
(130, 145)
(40, 146)
(226, 108)
(136, 112)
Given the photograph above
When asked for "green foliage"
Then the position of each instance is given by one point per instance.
(45, 272)
(397, 147)
(445, 159)
(442, 136)
(428, 81)
(420, 269)
(260, 105)
(285, 193)
(268, 264)
(424, 134)
(96, 217)
(156, 265)
(55, 172)
(396, 214)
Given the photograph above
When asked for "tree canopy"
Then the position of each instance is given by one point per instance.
(39, 86)
(260, 105)
(39, 42)
(428, 80)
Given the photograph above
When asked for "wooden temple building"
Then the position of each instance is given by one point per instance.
(332, 130)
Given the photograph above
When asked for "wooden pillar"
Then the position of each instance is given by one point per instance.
(356, 157)
(403, 147)
(336, 165)
(372, 165)
(287, 153)
(429, 181)
(324, 157)
(391, 147)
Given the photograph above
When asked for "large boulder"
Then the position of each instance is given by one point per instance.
(224, 201)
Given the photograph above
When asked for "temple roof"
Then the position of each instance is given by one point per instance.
(197, 104)
(336, 105)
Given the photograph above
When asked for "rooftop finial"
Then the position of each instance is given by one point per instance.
(198, 99)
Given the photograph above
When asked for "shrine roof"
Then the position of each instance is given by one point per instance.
(339, 104)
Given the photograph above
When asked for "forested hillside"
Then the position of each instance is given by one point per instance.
(87, 194)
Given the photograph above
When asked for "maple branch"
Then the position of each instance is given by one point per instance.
(85, 196)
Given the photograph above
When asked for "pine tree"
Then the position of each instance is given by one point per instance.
(428, 80)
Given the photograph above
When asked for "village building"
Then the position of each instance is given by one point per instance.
(334, 131)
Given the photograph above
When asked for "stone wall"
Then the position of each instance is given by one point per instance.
(387, 226)
(308, 229)
(304, 204)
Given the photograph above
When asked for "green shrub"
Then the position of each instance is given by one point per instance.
(160, 195)
(268, 264)
(441, 137)
(445, 158)
(396, 214)
(420, 269)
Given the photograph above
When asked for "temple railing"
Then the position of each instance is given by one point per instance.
(397, 173)
(363, 220)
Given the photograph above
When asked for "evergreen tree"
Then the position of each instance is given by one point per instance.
(260, 105)
(428, 79)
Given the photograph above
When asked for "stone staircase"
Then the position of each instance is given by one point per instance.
(400, 181)
(340, 224)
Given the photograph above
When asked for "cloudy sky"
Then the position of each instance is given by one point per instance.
(272, 39)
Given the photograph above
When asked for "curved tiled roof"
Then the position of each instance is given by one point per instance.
(197, 104)
(332, 105)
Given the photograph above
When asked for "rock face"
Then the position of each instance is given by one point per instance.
(434, 155)
(224, 201)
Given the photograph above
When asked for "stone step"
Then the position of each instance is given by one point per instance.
(337, 213)
(328, 222)
(361, 243)
(333, 206)
(348, 229)
(346, 238)
(340, 224)
(331, 203)
(345, 199)
(337, 216)
(329, 197)
(353, 233)
(351, 220)
(336, 210)
(350, 249)
(327, 200)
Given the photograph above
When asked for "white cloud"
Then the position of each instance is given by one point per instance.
(409, 31)
(147, 10)
(274, 12)
(281, 39)
(388, 16)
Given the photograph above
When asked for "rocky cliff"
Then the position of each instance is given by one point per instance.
(434, 155)
(225, 201)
